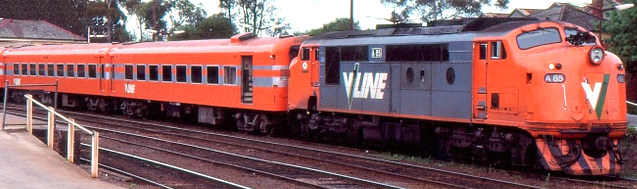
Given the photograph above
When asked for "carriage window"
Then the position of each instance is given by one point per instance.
(166, 73)
(181, 74)
(81, 70)
(25, 68)
(50, 70)
(128, 71)
(60, 70)
(141, 72)
(230, 75)
(437, 52)
(354, 53)
(195, 74)
(70, 70)
(153, 73)
(92, 71)
(538, 37)
(41, 70)
(332, 66)
(32, 70)
(497, 50)
(16, 69)
(213, 74)
(305, 54)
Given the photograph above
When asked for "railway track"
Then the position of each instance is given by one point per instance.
(395, 172)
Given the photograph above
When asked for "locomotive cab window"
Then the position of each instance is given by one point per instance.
(483, 51)
(141, 72)
(181, 74)
(128, 71)
(539, 37)
(153, 73)
(166, 73)
(316, 54)
(81, 70)
(577, 37)
(70, 70)
(305, 53)
(92, 71)
(213, 74)
(497, 50)
(50, 70)
(195, 74)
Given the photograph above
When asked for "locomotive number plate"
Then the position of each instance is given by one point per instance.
(555, 78)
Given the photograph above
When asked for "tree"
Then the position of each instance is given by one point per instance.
(339, 24)
(430, 10)
(104, 16)
(619, 34)
(214, 27)
(228, 7)
(184, 12)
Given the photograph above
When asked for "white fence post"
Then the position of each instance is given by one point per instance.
(95, 154)
(30, 113)
(70, 144)
(51, 129)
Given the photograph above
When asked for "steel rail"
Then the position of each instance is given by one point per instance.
(129, 174)
(172, 167)
(257, 159)
(321, 151)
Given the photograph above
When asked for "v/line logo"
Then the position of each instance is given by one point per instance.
(364, 85)
(597, 94)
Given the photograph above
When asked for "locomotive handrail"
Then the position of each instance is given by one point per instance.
(70, 133)
(631, 103)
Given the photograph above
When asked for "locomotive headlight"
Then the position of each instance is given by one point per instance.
(596, 55)
(551, 66)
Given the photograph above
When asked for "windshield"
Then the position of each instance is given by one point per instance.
(579, 38)
(538, 37)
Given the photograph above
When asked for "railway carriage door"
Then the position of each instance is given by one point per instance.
(246, 79)
(480, 80)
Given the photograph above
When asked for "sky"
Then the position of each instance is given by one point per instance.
(310, 14)
(305, 15)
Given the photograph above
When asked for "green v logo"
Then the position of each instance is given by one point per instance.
(596, 95)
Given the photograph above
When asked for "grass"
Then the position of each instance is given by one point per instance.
(629, 150)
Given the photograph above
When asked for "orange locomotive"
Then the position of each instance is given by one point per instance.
(521, 92)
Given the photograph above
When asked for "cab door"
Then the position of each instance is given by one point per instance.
(480, 64)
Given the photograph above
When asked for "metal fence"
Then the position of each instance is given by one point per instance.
(52, 114)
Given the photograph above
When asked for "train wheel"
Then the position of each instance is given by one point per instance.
(142, 112)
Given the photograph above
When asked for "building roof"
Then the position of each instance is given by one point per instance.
(569, 13)
(523, 12)
(12, 30)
